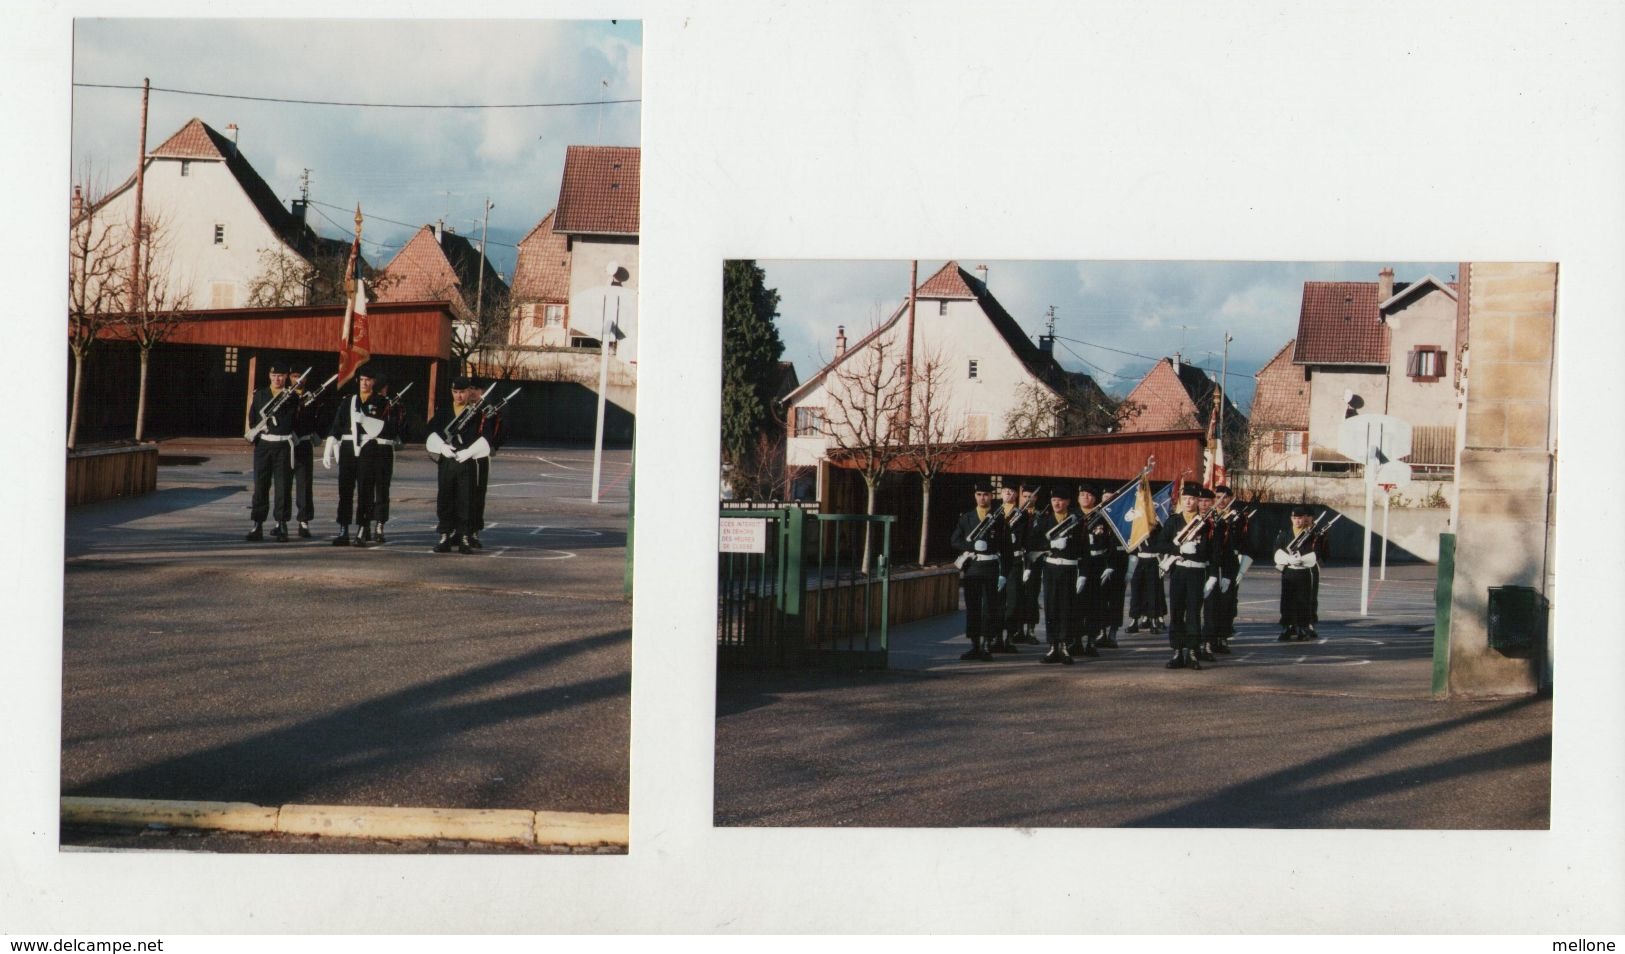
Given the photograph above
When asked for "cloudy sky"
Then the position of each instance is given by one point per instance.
(412, 166)
(1102, 309)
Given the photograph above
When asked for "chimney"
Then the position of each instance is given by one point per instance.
(296, 207)
(1385, 285)
(981, 275)
(439, 230)
(78, 205)
(840, 340)
(231, 129)
(1046, 344)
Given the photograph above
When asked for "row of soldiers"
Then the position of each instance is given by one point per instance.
(361, 434)
(1065, 554)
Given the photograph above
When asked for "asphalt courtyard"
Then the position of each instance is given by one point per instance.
(1341, 732)
(198, 666)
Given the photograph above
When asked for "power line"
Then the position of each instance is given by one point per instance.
(1147, 357)
(380, 218)
(323, 102)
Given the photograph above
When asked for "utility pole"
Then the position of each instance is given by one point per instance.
(908, 353)
(140, 180)
(479, 284)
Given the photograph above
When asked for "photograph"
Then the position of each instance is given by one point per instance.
(350, 418)
(1136, 544)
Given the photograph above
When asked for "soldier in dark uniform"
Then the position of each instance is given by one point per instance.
(463, 439)
(1148, 601)
(1230, 537)
(1021, 584)
(1059, 536)
(389, 441)
(1205, 499)
(1094, 572)
(312, 413)
(1297, 556)
(1116, 585)
(275, 408)
(980, 539)
(1192, 576)
(362, 420)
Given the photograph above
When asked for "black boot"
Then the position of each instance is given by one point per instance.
(1108, 641)
(1191, 659)
(1178, 660)
(1307, 634)
(1054, 654)
(444, 546)
(974, 652)
(1028, 636)
(365, 536)
(1222, 646)
(343, 539)
(1156, 624)
(1133, 626)
(257, 534)
(378, 532)
(1287, 634)
(1089, 647)
(1203, 653)
(474, 541)
(462, 545)
(1073, 647)
(1066, 654)
(281, 532)
(304, 529)
(1003, 645)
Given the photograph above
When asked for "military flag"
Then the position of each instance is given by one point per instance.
(355, 343)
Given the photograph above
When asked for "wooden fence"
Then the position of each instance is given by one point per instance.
(101, 473)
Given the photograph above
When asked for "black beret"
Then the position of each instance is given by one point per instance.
(460, 384)
(1205, 493)
(1086, 487)
(279, 365)
(379, 379)
(983, 487)
(1303, 510)
(1190, 489)
(1062, 490)
(1224, 489)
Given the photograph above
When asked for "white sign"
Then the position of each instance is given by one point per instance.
(743, 535)
(1362, 434)
(610, 311)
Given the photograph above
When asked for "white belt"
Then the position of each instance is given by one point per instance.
(983, 557)
(1060, 561)
(1193, 564)
(1018, 553)
(277, 437)
(1100, 552)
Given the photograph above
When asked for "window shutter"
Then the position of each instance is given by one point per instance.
(1280, 442)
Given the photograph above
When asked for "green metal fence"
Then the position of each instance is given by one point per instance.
(803, 597)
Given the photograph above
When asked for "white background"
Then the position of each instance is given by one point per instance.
(1375, 131)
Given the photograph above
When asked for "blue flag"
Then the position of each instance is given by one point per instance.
(1164, 501)
(1121, 511)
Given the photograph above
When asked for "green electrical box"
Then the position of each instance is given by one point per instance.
(1517, 618)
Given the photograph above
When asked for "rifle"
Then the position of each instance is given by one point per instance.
(498, 406)
(373, 426)
(310, 398)
(439, 443)
(273, 406)
(982, 529)
(1312, 534)
(1166, 561)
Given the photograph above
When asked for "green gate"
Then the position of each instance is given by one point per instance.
(791, 589)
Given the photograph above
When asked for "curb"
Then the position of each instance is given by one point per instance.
(503, 826)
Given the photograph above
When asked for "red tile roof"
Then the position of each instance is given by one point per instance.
(195, 140)
(950, 281)
(542, 272)
(599, 191)
(1281, 401)
(1338, 324)
(1165, 404)
(447, 269)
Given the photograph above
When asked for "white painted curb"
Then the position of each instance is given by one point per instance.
(500, 826)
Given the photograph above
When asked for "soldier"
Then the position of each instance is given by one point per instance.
(309, 416)
(1094, 572)
(1116, 584)
(979, 536)
(272, 412)
(362, 420)
(1148, 601)
(1206, 499)
(1020, 598)
(388, 442)
(464, 438)
(1190, 578)
(1058, 535)
(1230, 536)
(1297, 558)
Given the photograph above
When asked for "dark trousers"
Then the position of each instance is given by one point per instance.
(1225, 624)
(482, 480)
(1185, 600)
(1020, 597)
(454, 501)
(272, 459)
(1146, 598)
(1060, 603)
(981, 601)
(382, 476)
(1093, 602)
(1300, 597)
(305, 503)
(363, 482)
(1116, 588)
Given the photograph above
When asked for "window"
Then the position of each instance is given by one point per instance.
(231, 360)
(186, 167)
(809, 422)
(222, 295)
(1294, 442)
(219, 234)
(1426, 363)
(975, 426)
(942, 308)
(553, 316)
(973, 370)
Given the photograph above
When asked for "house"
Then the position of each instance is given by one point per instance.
(1380, 348)
(227, 239)
(437, 264)
(1280, 415)
(541, 292)
(1173, 396)
(991, 366)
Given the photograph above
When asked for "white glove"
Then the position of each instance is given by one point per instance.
(981, 546)
(1207, 588)
(1105, 576)
(1224, 585)
(1188, 548)
(463, 455)
(1078, 586)
(1026, 573)
(330, 452)
(1002, 581)
(1283, 559)
(1308, 559)
(1059, 543)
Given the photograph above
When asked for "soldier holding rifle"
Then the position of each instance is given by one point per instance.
(979, 536)
(1297, 556)
(1021, 583)
(310, 416)
(271, 412)
(1188, 554)
(1059, 536)
(462, 440)
(363, 420)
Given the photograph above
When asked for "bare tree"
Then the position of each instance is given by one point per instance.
(158, 302)
(1042, 411)
(283, 281)
(864, 418)
(97, 250)
(936, 437)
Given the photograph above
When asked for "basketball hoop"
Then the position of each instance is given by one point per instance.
(1388, 488)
